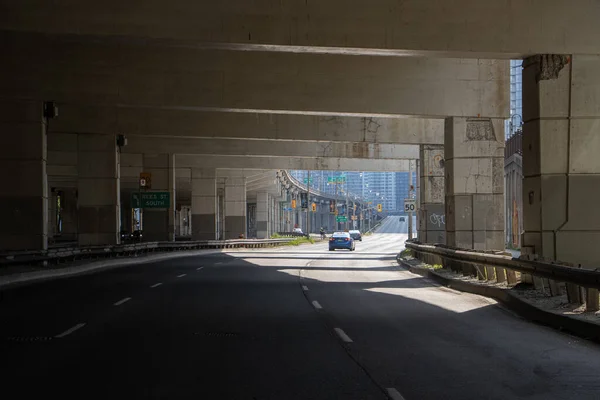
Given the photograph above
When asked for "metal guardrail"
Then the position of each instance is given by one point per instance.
(497, 266)
(62, 255)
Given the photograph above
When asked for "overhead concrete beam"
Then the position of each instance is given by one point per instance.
(497, 28)
(292, 163)
(185, 78)
(154, 121)
(271, 148)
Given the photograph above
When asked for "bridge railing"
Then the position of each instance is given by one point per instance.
(69, 254)
(581, 285)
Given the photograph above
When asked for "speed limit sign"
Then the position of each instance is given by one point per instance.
(410, 205)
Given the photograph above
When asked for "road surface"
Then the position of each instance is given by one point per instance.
(393, 224)
(287, 323)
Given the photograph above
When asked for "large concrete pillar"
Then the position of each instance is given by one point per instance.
(432, 214)
(235, 207)
(159, 223)
(24, 189)
(263, 214)
(474, 167)
(561, 168)
(98, 187)
(204, 204)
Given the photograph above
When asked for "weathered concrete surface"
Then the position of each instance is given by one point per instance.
(204, 204)
(235, 207)
(98, 189)
(494, 27)
(474, 152)
(170, 122)
(95, 73)
(432, 216)
(159, 224)
(271, 148)
(24, 191)
(291, 163)
(560, 165)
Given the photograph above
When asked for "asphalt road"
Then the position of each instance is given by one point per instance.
(394, 225)
(288, 323)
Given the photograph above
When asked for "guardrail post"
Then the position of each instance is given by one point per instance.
(555, 289)
(500, 274)
(573, 293)
(592, 301)
(490, 273)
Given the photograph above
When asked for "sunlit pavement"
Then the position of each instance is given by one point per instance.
(287, 323)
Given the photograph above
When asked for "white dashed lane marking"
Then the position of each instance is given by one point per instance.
(343, 335)
(156, 285)
(126, 299)
(181, 276)
(316, 305)
(70, 330)
(394, 394)
(305, 288)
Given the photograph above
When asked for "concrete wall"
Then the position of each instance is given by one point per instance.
(560, 165)
(410, 27)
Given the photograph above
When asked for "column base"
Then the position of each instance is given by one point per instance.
(204, 226)
(235, 226)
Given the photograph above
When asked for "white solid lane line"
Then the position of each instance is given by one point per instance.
(118, 303)
(198, 269)
(70, 330)
(156, 285)
(316, 305)
(343, 335)
(305, 288)
(394, 394)
(181, 276)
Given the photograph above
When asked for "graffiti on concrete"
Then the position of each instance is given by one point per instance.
(437, 220)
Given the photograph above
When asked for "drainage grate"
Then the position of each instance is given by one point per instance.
(29, 339)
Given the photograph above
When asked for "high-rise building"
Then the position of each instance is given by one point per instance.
(513, 124)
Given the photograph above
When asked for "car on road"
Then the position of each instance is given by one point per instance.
(356, 235)
(402, 219)
(341, 240)
(298, 230)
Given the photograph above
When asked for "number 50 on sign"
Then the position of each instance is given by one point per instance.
(410, 205)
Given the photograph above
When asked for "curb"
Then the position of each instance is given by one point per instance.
(25, 278)
(583, 329)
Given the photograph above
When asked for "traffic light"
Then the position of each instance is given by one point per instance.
(379, 208)
(332, 206)
(355, 208)
(293, 203)
(314, 207)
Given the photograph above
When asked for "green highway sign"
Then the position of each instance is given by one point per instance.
(336, 179)
(151, 200)
(341, 218)
(307, 180)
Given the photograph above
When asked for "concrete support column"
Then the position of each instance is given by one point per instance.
(432, 214)
(24, 189)
(561, 168)
(204, 204)
(99, 192)
(474, 167)
(235, 208)
(263, 214)
(159, 223)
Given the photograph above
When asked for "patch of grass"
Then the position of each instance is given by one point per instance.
(299, 241)
(437, 266)
(405, 253)
(276, 236)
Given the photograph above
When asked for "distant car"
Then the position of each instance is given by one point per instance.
(402, 219)
(298, 230)
(341, 240)
(356, 235)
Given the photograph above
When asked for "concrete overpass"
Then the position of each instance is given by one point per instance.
(300, 85)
